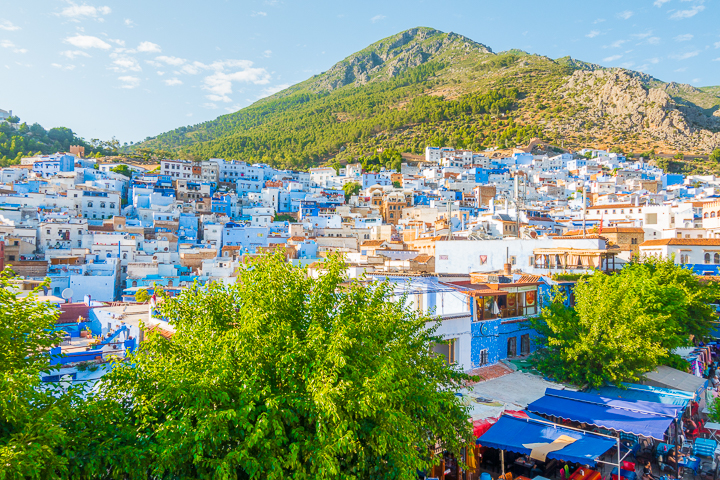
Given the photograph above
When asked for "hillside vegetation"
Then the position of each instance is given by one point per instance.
(423, 86)
(19, 140)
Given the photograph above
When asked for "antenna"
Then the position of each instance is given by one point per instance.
(67, 294)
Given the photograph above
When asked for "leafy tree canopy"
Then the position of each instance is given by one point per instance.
(350, 189)
(122, 170)
(624, 324)
(285, 376)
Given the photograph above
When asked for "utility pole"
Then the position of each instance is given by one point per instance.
(583, 209)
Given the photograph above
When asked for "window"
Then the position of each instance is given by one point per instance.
(707, 258)
(112, 205)
(512, 347)
(483, 357)
(448, 349)
(48, 231)
(89, 204)
(716, 258)
(513, 260)
(651, 219)
(134, 283)
(684, 258)
(633, 241)
(102, 204)
(11, 258)
(531, 261)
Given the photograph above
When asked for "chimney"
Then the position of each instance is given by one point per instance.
(507, 269)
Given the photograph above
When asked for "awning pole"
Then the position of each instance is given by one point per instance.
(677, 451)
(502, 462)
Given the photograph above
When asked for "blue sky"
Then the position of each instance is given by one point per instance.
(134, 68)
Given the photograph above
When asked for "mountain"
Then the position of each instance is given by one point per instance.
(423, 86)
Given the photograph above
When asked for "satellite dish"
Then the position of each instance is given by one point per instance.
(67, 294)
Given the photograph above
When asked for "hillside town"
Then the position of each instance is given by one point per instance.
(475, 242)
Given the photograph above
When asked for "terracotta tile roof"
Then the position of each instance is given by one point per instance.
(373, 243)
(69, 312)
(165, 333)
(572, 233)
(489, 372)
(529, 279)
(614, 205)
(714, 242)
(423, 258)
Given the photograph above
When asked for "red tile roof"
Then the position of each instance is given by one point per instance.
(489, 372)
(713, 242)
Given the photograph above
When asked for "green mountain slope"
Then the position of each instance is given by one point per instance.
(423, 86)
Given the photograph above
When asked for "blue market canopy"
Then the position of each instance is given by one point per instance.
(648, 393)
(510, 433)
(647, 419)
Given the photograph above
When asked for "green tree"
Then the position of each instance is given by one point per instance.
(715, 155)
(350, 189)
(31, 437)
(142, 296)
(397, 184)
(14, 119)
(623, 324)
(122, 170)
(282, 375)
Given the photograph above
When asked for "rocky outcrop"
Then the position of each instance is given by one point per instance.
(615, 101)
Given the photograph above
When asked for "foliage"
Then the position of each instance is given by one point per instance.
(299, 128)
(396, 184)
(350, 189)
(285, 376)
(715, 155)
(624, 324)
(25, 141)
(122, 170)
(284, 217)
(389, 158)
(142, 296)
(30, 430)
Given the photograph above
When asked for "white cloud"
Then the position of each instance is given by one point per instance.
(654, 60)
(173, 81)
(266, 92)
(124, 63)
(642, 35)
(129, 82)
(691, 12)
(76, 11)
(129, 23)
(148, 47)
(686, 55)
(377, 18)
(717, 60)
(599, 20)
(717, 44)
(684, 38)
(74, 53)
(612, 58)
(593, 34)
(63, 67)
(617, 43)
(87, 41)
(220, 83)
(193, 68)
(233, 108)
(660, 3)
(625, 15)
(11, 45)
(258, 14)
(175, 61)
(267, 53)
(8, 25)
(210, 105)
